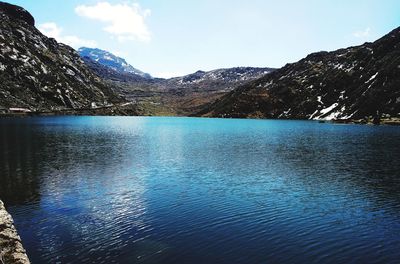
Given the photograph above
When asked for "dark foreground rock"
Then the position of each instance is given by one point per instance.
(11, 249)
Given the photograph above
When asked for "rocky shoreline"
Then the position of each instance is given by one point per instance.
(124, 109)
(11, 249)
(134, 112)
(370, 121)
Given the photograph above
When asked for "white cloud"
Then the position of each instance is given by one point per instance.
(51, 30)
(363, 33)
(124, 21)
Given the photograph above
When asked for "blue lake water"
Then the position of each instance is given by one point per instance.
(188, 190)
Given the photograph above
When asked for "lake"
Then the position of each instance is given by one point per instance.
(190, 190)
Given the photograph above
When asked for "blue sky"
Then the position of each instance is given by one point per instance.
(176, 37)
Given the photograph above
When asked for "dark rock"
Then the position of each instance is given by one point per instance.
(377, 118)
(17, 12)
(217, 80)
(11, 249)
(39, 74)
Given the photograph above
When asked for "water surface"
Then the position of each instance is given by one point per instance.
(187, 190)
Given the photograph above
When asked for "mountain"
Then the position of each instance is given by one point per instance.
(188, 93)
(111, 61)
(113, 68)
(359, 82)
(218, 80)
(39, 74)
(108, 73)
(175, 96)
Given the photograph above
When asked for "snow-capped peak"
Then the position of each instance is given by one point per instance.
(111, 61)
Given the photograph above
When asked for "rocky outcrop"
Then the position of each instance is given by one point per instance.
(11, 249)
(361, 82)
(39, 74)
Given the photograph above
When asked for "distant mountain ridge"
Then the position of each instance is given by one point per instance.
(352, 83)
(111, 67)
(219, 79)
(111, 61)
(180, 95)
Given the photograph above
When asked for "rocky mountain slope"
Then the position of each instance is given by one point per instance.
(39, 74)
(352, 83)
(111, 74)
(113, 68)
(217, 80)
(189, 93)
(111, 61)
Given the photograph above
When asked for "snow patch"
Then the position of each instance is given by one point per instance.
(328, 109)
(338, 66)
(369, 87)
(44, 69)
(336, 114)
(341, 97)
(323, 114)
(25, 60)
(285, 113)
(373, 77)
(314, 114)
(32, 78)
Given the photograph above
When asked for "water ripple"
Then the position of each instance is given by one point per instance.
(182, 190)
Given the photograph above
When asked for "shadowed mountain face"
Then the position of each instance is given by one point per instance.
(37, 73)
(17, 13)
(345, 84)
